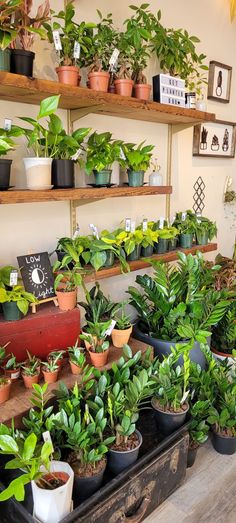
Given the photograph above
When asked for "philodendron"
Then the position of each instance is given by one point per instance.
(130, 242)
(138, 159)
(102, 151)
(16, 302)
(186, 223)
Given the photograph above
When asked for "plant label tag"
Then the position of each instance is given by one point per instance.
(114, 57)
(57, 40)
(184, 215)
(13, 278)
(172, 220)
(7, 124)
(109, 331)
(161, 222)
(47, 437)
(94, 229)
(127, 224)
(198, 216)
(76, 233)
(77, 50)
(122, 154)
(77, 155)
(145, 224)
(13, 16)
(132, 229)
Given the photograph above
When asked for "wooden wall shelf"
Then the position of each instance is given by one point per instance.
(141, 264)
(83, 101)
(83, 193)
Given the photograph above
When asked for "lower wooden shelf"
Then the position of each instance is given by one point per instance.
(142, 263)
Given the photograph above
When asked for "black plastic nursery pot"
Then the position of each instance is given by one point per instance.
(147, 251)
(22, 62)
(223, 444)
(84, 487)
(172, 244)
(168, 422)
(135, 178)
(191, 457)
(110, 259)
(11, 311)
(5, 172)
(135, 255)
(63, 174)
(5, 56)
(118, 460)
(202, 238)
(186, 241)
(162, 246)
(103, 177)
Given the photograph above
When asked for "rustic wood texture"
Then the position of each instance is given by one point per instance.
(26, 90)
(142, 264)
(19, 402)
(82, 193)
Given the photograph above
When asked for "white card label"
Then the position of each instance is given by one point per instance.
(109, 331)
(13, 278)
(132, 229)
(94, 229)
(172, 220)
(145, 225)
(122, 154)
(76, 233)
(7, 124)
(77, 155)
(114, 57)
(184, 215)
(47, 437)
(161, 222)
(77, 50)
(57, 40)
(127, 225)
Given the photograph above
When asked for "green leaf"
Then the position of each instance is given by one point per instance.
(48, 106)
(8, 444)
(29, 447)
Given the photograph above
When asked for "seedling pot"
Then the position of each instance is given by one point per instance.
(67, 300)
(142, 91)
(84, 487)
(99, 359)
(124, 86)
(162, 246)
(135, 255)
(168, 422)
(135, 178)
(110, 259)
(68, 74)
(99, 81)
(191, 457)
(186, 241)
(202, 238)
(22, 62)
(38, 173)
(5, 391)
(50, 377)
(5, 57)
(147, 251)
(5, 171)
(12, 374)
(30, 380)
(172, 244)
(63, 175)
(121, 337)
(120, 460)
(102, 177)
(223, 444)
(75, 369)
(11, 311)
(51, 506)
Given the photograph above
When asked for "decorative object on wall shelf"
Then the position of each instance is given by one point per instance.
(219, 82)
(215, 139)
(168, 90)
(199, 195)
(37, 274)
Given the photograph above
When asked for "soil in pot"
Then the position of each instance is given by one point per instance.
(54, 480)
(63, 174)
(186, 241)
(75, 369)
(50, 377)
(135, 178)
(30, 380)
(162, 246)
(202, 239)
(68, 74)
(11, 311)
(168, 421)
(102, 177)
(224, 443)
(142, 91)
(5, 58)
(121, 337)
(5, 171)
(5, 388)
(135, 255)
(120, 457)
(124, 86)
(99, 81)
(88, 479)
(192, 454)
(99, 359)
(66, 300)
(22, 62)
(147, 251)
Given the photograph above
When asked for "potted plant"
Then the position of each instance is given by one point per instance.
(123, 328)
(198, 429)
(26, 27)
(8, 34)
(77, 249)
(73, 46)
(41, 139)
(97, 307)
(6, 145)
(31, 359)
(101, 152)
(131, 243)
(66, 284)
(12, 368)
(77, 358)
(51, 481)
(222, 414)
(50, 370)
(167, 237)
(95, 335)
(223, 343)
(138, 159)
(30, 373)
(186, 223)
(5, 388)
(124, 82)
(57, 355)
(15, 302)
(100, 52)
(205, 230)
(103, 252)
(150, 238)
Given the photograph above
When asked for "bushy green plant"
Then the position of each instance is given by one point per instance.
(122, 319)
(104, 41)
(204, 225)
(96, 334)
(187, 225)
(224, 334)
(129, 240)
(138, 34)
(7, 32)
(98, 307)
(138, 157)
(172, 381)
(18, 295)
(76, 355)
(102, 151)
(198, 429)
(69, 279)
(28, 26)
(5, 274)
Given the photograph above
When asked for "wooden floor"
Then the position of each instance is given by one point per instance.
(208, 494)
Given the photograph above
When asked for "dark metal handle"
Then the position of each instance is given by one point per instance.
(138, 516)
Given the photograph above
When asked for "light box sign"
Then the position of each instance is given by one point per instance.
(37, 275)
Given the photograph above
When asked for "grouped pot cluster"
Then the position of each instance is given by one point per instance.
(114, 59)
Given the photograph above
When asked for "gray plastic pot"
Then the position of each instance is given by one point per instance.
(162, 348)
(224, 444)
(84, 487)
(147, 251)
(120, 460)
(135, 255)
(168, 422)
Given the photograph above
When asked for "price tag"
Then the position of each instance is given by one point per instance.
(132, 228)
(145, 224)
(109, 331)
(7, 124)
(77, 50)
(122, 154)
(13, 278)
(161, 222)
(94, 229)
(57, 40)
(184, 215)
(127, 224)
(114, 57)
(47, 437)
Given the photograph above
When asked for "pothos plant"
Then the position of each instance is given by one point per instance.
(129, 240)
(204, 225)
(18, 295)
(102, 150)
(138, 157)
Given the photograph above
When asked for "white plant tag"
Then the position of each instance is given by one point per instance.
(109, 331)
(77, 155)
(94, 229)
(161, 222)
(184, 215)
(77, 50)
(57, 40)
(122, 154)
(76, 233)
(13, 278)
(7, 124)
(127, 224)
(198, 216)
(172, 220)
(47, 437)
(145, 224)
(114, 57)
(132, 228)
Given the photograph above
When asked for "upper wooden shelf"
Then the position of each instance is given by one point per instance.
(83, 101)
(80, 194)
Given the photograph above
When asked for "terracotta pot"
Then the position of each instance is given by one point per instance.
(12, 374)
(142, 91)
(124, 87)
(120, 338)
(99, 359)
(99, 81)
(86, 343)
(5, 392)
(50, 377)
(75, 369)
(68, 74)
(29, 380)
(67, 300)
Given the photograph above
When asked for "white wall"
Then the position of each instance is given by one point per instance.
(36, 227)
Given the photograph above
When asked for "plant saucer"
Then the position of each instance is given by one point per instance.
(40, 188)
(102, 185)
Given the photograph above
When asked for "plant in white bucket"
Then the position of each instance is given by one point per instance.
(51, 481)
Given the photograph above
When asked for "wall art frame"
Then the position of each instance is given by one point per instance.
(219, 82)
(214, 139)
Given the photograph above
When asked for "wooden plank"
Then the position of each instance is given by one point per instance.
(142, 264)
(19, 402)
(83, 193)
(21, 89)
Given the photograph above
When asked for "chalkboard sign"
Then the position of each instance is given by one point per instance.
(37, 275)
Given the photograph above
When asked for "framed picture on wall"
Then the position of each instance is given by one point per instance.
(219, 82)
(215, 139)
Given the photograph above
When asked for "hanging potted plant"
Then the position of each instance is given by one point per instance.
(72, 42)
(95, 335)
(66, 283)
(7, 34)
(6, 145)
(138, 159)
(12, 368)
(77, 358)
(15, 302)
(100, 52)
(101, 152)
(123, 328)
(51, 481)
(26, 27)
(205, 230)
(30, 372)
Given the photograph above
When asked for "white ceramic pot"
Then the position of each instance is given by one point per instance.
(51, 506)
(38, 173)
